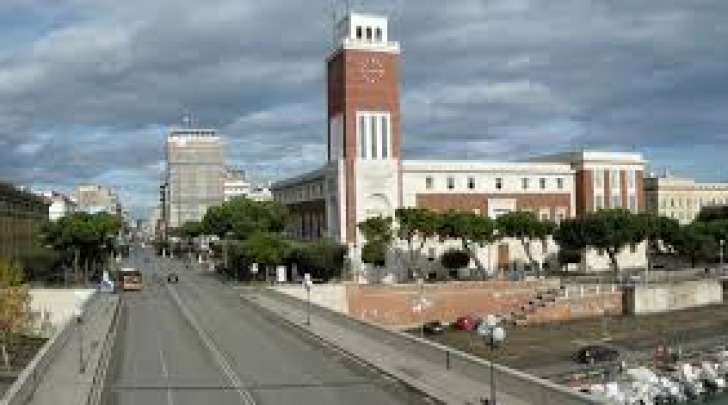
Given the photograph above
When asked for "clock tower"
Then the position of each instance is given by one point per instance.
(363, 137)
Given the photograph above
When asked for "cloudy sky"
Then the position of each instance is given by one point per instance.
(88, 87)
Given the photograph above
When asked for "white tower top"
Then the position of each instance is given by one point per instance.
(367, 31)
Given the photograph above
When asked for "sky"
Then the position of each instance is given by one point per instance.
(88, 88)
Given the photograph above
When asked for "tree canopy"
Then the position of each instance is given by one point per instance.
(525, 226)
(14, 302)
(243, 218)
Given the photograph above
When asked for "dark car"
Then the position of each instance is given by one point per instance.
(595, 353)
(433, 328)
(172, 278)
(467, 323)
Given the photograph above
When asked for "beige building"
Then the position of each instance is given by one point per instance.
(682, 198)
(195, 174)
(94, 198)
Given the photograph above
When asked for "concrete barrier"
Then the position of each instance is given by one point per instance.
(99, 380)
(513, 382)
(24, 386)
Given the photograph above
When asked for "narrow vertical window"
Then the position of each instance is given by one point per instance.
(385, 137)
(358, 33)
(362, 137)
(542, 183)
(524, 183)
(598, 175)
(378, 34)
(374, 135)
(471, 182)
(631, 175)
(369, 33)
(429, 182)
(560, 183)
(616, 201)
(615, 179)
(450, 183)
(498, 183)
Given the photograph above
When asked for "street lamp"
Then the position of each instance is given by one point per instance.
(78, 314)
(722, 246)
(493, 335)
(307, 284)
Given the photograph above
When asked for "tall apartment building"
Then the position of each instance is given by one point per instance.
(682, 198)
(195, 173)
(94, 198)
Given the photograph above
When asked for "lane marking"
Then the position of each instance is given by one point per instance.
(245, 396)
(170, 399)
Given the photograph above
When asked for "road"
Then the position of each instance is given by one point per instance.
(195, 342)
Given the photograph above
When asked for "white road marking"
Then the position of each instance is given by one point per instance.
(170, 398)
(245, 396)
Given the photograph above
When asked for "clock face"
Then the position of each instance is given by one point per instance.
(372, 69)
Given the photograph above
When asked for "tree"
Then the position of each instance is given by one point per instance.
(322, 259)
(265, 248)
(90, 237)
(378, 233)
(416, 226)
(14, 301)
(244, 217)
(470, 229)
(526, 227)
(696, 242)
(572, 239)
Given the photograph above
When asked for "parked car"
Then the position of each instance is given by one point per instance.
(596, 353)
(467, 323)
(433, 328)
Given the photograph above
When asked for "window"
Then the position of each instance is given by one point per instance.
(615, 179)
(471, 182)
(373, 135)
(358, 32)
(672, 203)
(542, 183)
(631, 177)
(633, 248)
(429, 182)
(498, 183)
(616, 201)
(378, 34)
(633, 203)
(560, 183)
(450, 183)
(598, 178)
(524, 183)
(385, 137)
(369, 33)
(600, 202)
(362, 137)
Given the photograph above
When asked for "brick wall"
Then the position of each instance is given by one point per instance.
(564, 309)
(392, 305)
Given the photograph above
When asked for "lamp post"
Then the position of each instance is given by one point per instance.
(493, 335)
(307, 284)
(78, 314)
(722, 246)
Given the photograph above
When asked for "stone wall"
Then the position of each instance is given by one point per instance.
(671, 297)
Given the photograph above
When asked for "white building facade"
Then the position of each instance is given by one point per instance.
(682, 198)
(365, 176)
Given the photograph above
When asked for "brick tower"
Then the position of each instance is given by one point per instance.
(364, 120)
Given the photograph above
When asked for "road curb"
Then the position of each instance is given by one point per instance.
(403, 379)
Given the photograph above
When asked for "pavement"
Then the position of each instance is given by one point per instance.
(63, 382)
(434, 379)
(194, 342)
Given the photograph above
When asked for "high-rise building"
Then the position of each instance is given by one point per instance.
(195, 173)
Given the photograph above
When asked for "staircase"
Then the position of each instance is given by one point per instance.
(540, 299)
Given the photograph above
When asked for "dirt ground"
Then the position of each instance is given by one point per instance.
(531, 348)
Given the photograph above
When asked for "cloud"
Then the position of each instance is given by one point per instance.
(88, 87)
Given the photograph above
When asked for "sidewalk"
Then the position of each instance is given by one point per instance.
(62, 382)
(433, 379)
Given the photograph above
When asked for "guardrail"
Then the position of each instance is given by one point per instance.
(24, 386)
(99, 379)
(516, 383)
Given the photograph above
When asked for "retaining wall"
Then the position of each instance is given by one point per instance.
(672, 296)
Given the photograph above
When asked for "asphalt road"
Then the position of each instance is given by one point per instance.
(195, 342)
